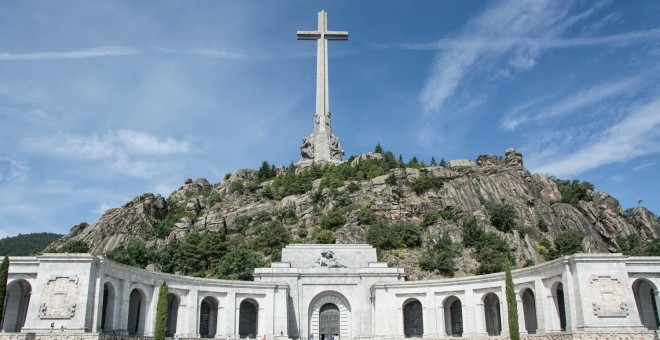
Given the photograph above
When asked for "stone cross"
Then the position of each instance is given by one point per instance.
(322, 145)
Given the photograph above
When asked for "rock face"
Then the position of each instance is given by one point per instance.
(466, 190)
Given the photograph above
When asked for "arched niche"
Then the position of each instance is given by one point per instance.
(645, 293)
(413, 319)
(137, 312)
(248, 318)
(492, 314)
(17, 301)
(173, 302)
(453, 311)
(529, 310)
(208, 317)
(330, 298)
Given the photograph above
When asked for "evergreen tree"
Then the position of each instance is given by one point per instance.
(443, 163)
(433, 162)
(4, 274)
(512, 305)
(378, 149)
(161, 313)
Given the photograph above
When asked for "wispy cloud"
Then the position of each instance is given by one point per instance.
(129, 152)
(636, 135)
(96, 52)
(506, 23)
(13, 168)
(594, 95)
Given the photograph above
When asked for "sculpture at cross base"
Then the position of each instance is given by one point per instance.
(322, 146)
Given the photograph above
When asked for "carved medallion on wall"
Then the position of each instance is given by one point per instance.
(608, 297)
(58, 300)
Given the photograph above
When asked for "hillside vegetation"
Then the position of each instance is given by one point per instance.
(434, 220)
(28, 244)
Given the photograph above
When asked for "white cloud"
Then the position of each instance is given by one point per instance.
(594, 95)
(129, 152)
(638, 134)
(496, 31)
(75, 54)
(13, 168)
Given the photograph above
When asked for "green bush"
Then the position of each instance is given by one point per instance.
(425, 183)
(568, 242)
(573, 191)
(77, 246)
(366, 217)
(472, 233)
(239, 264)
(493, 253)
(543, 225)
(323, 236)
(502, 216)
(333, 221)
(270, 237)
(236, 187)
(134, 253)
(384, 236)
(440, 257)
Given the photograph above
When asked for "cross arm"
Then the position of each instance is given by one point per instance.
(336, 35)
(308, 35)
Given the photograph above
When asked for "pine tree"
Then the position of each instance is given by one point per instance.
(443, 163)
(4, 274)
(512, 305)
(433, 162)
(378, 149)
(161, 313)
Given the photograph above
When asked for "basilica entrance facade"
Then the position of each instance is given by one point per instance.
(330, 316)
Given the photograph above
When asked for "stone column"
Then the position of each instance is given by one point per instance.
(541, 306)
(522, 327)
(98, 300)
(470, 317)
(280, 313)
(570, 299)
(480, 319)
(124, 296)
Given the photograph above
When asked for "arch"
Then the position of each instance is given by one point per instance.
(108, 309)
(413, 318)
(492, 314)
(208, 317)
(336, 299)
(137, 311)
(453, 310)
(560, 305)
(17, 302)
(529, 310)
(645, 294)
(173, 302)
(248, 317)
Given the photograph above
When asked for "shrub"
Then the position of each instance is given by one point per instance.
(502, 216)
(472, 233)
(241, 223)
(323, 236)
(333, 221)
(543, 225)
(237, 187)
(239, 264)
(353, 187)
(366, 217)
(493, 254)
(573, 191)
(440, 257)
(425, 183)
(383, 235)
(77, 246)
(391, 180)
(568, 242)
(270, 237)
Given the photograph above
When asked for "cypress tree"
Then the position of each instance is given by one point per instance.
(4, 273)
(512, 305)
(161, 313)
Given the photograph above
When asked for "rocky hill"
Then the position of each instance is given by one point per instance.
(419, 216)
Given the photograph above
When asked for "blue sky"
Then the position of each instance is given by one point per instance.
(101, 101)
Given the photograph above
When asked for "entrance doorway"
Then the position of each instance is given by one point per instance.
(329, 322)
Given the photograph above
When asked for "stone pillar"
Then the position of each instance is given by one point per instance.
(190, 325)
(124, 296)
(441, 322)
(470, 317)
(504, 313)
(280, 312)
(570, 299)
(522, 327)
(219, 334)
(541, 306)
(232, 315)
(480, 319)
(98, 301)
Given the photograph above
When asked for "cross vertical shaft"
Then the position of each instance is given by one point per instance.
(322, 145)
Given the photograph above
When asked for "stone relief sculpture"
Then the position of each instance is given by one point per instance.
(607, 295)
(328, 259)
(307, 149)
(59, 298)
